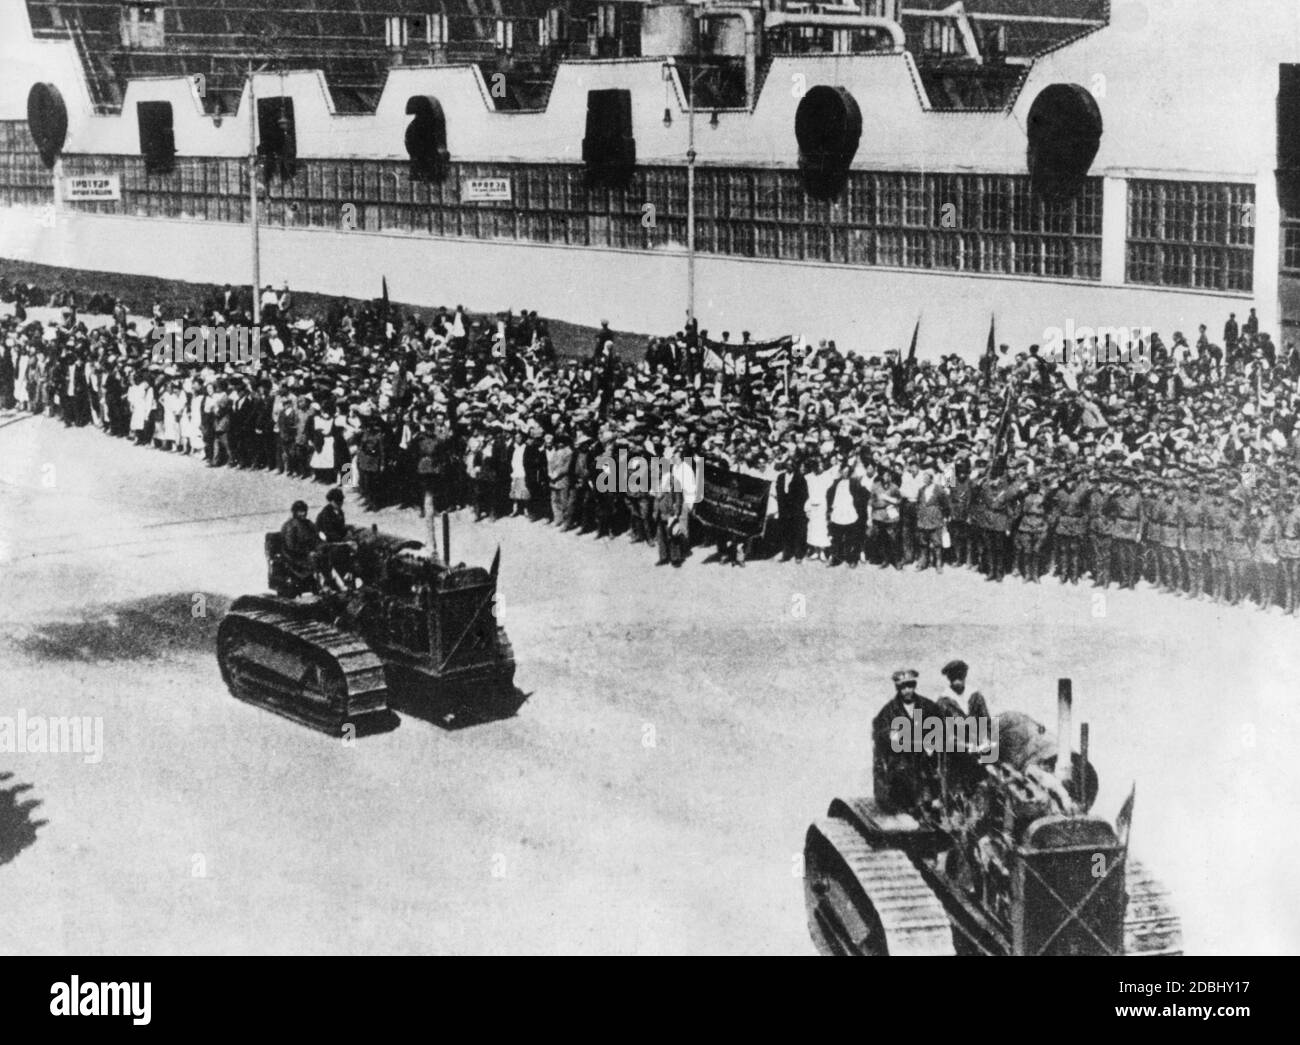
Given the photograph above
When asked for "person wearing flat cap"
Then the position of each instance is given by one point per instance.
(299, 542)
(902, 779)
(962, 769)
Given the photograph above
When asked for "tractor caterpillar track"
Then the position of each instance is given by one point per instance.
(303, 669)
(867, 901)
(1150, 925)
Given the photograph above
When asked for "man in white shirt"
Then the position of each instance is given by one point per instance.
(846, 504)
(909, 488)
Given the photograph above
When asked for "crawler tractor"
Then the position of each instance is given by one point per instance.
(385, 622)
(1010, 861)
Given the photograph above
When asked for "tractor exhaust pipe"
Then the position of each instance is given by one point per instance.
(1064, 727)
(431, 520)
(1081, 774)
(446, 539)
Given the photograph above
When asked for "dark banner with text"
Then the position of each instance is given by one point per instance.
(733, 502)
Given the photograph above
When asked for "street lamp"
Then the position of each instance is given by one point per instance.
(692, 74)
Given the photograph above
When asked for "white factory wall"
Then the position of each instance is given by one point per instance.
(867, 309)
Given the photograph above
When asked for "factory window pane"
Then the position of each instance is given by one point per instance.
(861, 247)
(706, 193)
(1191, 234)
(740, 192)
(766, 195)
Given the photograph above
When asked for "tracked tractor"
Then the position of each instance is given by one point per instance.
(1006, 859)
(384, 618)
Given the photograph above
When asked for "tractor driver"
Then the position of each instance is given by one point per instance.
(902, 770)
(335, 556)
(300, 541)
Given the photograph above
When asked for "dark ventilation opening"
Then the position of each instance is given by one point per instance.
(1288, 139)
(157, 139)
(277, 145)
(609, 150)
(828, 128)
(1064, 135)
(47, 120)
(426, 139)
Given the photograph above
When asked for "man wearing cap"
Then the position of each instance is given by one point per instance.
(371, 454)
(670, 515)
(1031, 534)
(1128, 523)
(559, 466)
(1238, 553)
(300, 541)
(1214, 531)
(902, 776)
(1267, 530)
(791, 497)
(959, 504)
(1101, 528)
(1070, 528)
(963, 770)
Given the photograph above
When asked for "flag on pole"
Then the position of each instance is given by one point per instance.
(1125, 819)
(990, 361)
(911, 352)
(996, 462)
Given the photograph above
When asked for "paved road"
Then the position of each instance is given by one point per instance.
(651, 796)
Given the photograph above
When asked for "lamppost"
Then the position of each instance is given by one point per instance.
(693, 73)
(267, 45)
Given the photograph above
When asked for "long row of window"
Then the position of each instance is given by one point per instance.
(1180, 234)
(967, 223)
(24, 179)
(1191, 234)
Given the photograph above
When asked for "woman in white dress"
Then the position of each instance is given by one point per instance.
(173, 404)
(21, 396)
(192, 422)
(322, 461)
(819, 534)
(141, 400)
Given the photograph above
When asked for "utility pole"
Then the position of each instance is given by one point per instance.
(692, 72)
(690, 198)
(252, 200)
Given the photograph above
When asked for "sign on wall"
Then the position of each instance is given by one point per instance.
(92, 187)
(485, 190)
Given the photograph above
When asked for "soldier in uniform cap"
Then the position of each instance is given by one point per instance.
(1194, 506)
(1031, 534)
(1171, 538)
(1153, 535)
(904, 778)
(370, 461)
(1238, 554)
(962, 768)
(1267, 531)
(993, 521)
(1288, 551)
(1214, 529)
(959, 504)
(1128, 531)
(1101, 531)
(1070, 524)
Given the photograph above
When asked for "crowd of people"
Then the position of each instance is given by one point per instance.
(1178, 466)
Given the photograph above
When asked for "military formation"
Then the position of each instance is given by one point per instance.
(1199, 535)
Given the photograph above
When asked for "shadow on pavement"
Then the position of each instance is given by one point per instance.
(143, 629)
(455, 711)
(17, 828)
